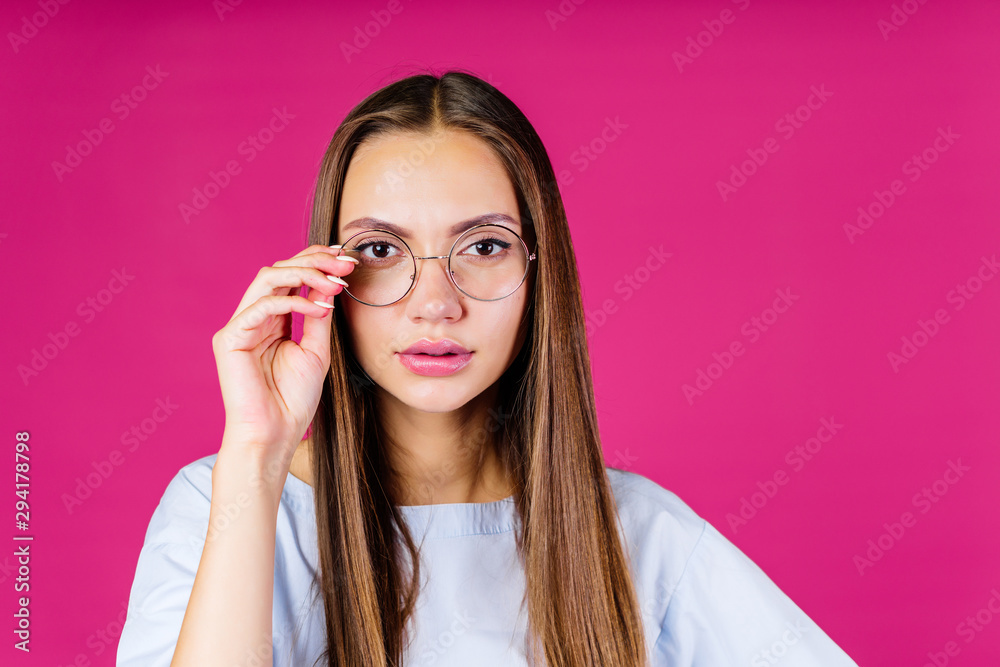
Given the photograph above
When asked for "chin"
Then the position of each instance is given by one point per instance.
(432, 394)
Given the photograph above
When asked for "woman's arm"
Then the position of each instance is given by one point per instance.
(271, 387)
(228, 617)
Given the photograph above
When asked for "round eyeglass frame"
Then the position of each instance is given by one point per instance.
(451, 276)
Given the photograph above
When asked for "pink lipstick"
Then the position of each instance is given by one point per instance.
(435, 358)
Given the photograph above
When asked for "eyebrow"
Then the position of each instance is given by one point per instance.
(457, 228)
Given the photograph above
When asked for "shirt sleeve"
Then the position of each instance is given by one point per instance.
(726, 611)
(164, 574)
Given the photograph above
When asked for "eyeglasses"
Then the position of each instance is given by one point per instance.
(488, 262)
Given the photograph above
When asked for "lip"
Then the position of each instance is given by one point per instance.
(418, 357)
(443, 346)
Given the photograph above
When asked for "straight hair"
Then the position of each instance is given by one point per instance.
(581, 602)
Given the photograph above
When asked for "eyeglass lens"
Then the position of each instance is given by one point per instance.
(487, 263)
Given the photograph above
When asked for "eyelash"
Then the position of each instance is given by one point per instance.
(503, 244)
(367, 244)
(371, 242)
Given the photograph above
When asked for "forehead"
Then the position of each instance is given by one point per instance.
(426, 183)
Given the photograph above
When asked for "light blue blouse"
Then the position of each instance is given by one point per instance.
(703, 602)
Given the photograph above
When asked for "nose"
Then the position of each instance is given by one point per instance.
(433, 296)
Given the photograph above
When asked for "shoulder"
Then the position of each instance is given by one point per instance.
(705, 602)
(183, 510)
(662, 535)
(195, 476)
(655, 518)
(182, 515)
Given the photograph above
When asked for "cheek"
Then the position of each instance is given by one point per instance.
(364, 333)
(498, 323)
(375, 334)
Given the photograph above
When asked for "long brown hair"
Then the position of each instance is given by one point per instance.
(582, 606)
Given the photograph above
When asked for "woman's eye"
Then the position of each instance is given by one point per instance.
(487, 247)
(378, 250)
(484, 248)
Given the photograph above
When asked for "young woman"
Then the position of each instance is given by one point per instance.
(450, 504)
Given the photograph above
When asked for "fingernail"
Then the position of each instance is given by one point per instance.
(336, 246)
(345, 258)
(324, 304)
(337, 280)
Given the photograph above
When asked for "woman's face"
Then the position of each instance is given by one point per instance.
(425, 185)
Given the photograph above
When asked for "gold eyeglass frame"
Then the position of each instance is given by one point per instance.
(413, 278)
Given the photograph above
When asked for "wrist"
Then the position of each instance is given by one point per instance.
(239, 470)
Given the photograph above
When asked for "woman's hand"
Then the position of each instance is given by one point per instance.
(270, 385)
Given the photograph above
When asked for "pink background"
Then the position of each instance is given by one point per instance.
(655, 183)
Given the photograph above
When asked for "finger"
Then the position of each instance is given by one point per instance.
(337, 265)
(316, 247)
(327, 257)
(271, 281)
(245, 331)
(289, 275)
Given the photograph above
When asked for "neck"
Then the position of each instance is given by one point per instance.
(448, 457)
(445, 457)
